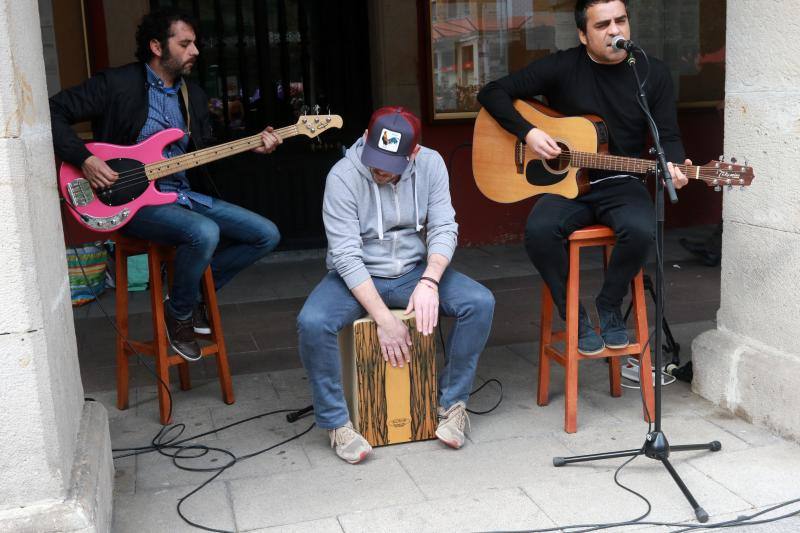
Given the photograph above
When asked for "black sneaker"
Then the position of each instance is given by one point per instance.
(589, 342)
(612, 327)
(181, 337)
(200, 319)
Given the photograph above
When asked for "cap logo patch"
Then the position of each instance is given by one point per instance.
(389, 140)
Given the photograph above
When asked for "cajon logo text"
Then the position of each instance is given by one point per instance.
(399, 422)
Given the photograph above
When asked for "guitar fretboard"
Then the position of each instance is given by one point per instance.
(213, 153)
(709, 174)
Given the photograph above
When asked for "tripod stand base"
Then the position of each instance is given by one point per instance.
(656, 447)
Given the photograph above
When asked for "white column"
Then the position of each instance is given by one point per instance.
(750, 364)
(54, 449)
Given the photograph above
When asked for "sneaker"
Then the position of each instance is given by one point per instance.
(612, 327)
(589, 342)
(180, 334)
(451, 425)
(200, 319)
(349, 444)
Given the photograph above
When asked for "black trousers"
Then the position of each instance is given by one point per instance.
(624, 204)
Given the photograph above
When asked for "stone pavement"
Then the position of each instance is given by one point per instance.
(503, 478)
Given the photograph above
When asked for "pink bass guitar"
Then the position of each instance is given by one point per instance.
(138, 166)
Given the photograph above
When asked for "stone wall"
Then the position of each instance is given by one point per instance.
(751, 362)
(43, 414)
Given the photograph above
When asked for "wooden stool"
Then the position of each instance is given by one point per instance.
(590, 236)
(159, 347)
(389, 405)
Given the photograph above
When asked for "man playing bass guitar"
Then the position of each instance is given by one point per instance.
(593, 78)
(129, 104)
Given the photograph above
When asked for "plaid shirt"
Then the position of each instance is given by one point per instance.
(165, 112)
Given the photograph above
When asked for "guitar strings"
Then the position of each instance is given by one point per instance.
(642, 167)
(135, 177)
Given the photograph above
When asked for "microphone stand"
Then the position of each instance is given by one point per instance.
(656, 445)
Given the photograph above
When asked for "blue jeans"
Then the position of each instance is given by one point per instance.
(331, 307)
(225, 235)
(622, 204)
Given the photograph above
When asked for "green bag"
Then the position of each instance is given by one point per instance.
(86, 267)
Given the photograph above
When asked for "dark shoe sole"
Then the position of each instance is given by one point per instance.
(183, 355)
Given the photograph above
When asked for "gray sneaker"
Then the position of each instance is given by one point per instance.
(349, 444)
(451, 425)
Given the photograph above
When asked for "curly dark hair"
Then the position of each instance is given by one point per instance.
(580, 11)
(157, 25)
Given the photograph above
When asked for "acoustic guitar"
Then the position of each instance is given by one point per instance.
(506, 170)
(138, 166)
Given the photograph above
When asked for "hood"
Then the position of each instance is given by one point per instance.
(353, 154)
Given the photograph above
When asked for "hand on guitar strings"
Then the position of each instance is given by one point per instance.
(98, 173)
(270, 140)
(679, 179)
(542, 144)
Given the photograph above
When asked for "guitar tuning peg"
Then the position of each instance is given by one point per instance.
(717, 188)
(329, 112)
(733, 160)
(730, 187)
(316, 109)
(722, 158)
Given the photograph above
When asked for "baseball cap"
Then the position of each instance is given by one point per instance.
(392, 135)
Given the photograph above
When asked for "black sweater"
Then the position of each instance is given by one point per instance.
(575, 85)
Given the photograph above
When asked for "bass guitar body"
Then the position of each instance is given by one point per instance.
(109, 209)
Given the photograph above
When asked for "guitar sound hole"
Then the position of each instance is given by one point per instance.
(130, 184)
(549, 172)
(560, 163)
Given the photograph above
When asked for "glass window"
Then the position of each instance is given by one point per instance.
(473, 42)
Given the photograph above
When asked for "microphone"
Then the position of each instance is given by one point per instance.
(621, 43)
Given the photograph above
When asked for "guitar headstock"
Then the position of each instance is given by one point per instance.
(721, 173)
(313, 125)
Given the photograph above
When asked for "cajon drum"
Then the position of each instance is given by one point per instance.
(389, 405)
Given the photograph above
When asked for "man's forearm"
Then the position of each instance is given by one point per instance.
(367, 295)
(437, 264)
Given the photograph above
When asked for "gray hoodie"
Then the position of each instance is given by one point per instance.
(377, 230)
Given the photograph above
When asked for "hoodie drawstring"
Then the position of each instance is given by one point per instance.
(414, 186)
(380, 211)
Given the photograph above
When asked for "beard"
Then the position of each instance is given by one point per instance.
(173, 66)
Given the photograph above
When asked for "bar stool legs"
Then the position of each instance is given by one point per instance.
(159, 347)
(569, 358)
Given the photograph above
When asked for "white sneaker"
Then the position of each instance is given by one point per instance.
(349, 444)
(451, 425)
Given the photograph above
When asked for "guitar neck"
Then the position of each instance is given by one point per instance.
(184, 162)
(624, 164)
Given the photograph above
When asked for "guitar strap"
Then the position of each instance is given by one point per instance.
(185, 94)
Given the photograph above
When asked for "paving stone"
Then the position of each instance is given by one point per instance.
(154, 510)
(324, 525)
(605, 502)
(491, 510)
(762, 476)
(155, 470)
(482, 466)
(125, 475)
(292, 497)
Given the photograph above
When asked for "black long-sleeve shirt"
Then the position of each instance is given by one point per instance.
(576, 85)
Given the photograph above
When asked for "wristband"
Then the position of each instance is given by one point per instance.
(426, 278)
